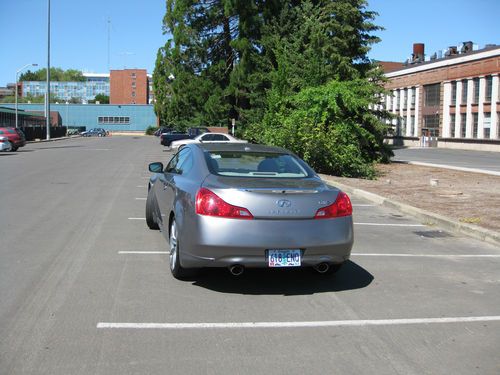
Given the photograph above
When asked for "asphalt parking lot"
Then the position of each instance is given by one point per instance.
(85, 286)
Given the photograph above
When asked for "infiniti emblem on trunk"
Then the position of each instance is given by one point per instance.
(283, 203)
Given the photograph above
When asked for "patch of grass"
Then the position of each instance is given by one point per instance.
(470, 220)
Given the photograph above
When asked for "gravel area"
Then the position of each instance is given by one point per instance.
(466, 197)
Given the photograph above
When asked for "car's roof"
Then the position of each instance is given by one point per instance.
(246, 147)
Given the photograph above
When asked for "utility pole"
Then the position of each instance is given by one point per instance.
(47, 103)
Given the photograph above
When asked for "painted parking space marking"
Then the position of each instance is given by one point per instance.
(137, 218)
(144, 252)
(390, 225)
(141, 186)
(140, 199)
(427, 255)
(310, 324)
(363, 205)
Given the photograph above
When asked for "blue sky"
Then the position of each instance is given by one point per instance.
(79, 31)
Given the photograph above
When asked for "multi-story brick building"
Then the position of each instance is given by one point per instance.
(453, 99)
(129, 86)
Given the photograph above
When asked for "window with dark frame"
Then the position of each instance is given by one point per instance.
(464, 91)
(489, 88)
(432, 95)
(475, 82)
(454, 92)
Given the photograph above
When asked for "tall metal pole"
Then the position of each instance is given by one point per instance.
(47, 103)
(16, 100)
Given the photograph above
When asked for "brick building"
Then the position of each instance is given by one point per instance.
(453, 99)
(129, 86)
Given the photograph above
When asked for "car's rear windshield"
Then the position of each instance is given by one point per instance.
(256, 164)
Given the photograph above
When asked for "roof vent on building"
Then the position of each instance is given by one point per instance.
(466, 47)
(452, 51)
(434, 56)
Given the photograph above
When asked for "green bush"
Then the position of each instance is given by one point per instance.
(151, 129)
(329, 126)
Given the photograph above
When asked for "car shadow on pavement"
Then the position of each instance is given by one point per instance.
(288, 282)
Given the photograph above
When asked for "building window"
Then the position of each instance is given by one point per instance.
(412, 125)
(487, 125)
(133, 75)
(475, 82)
(452, 125)
(432, 95)
(475, 121)
(133, 84)
(413, 95)
(489, 88)
(403, 127)
(463, 119)
(454, 93)
(113, 120)
(133, 94)
(464, 91)
(431, 123)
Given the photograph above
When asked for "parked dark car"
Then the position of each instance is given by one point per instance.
(95, 132)
(168, 138)
(239, 205)
(15, 136)
(161, 130)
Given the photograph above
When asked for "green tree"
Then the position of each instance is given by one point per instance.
(56, 74)
(101, 98)
(258, 60)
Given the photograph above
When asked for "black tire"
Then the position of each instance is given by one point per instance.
(12, 147)
(150, 220)
(174, 260)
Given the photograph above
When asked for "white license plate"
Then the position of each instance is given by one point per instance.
(284, 258)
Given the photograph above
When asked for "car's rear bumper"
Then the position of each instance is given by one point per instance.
(216, 242)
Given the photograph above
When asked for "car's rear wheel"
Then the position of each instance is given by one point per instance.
(175, 265)
(12, 147)
(150, 221)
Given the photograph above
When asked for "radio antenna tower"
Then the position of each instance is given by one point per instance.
(109, 42)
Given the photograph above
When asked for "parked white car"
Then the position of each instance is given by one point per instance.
(5, 144)
(206, 138)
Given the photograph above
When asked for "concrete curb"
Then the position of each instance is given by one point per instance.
(53, 139)
(426, 217)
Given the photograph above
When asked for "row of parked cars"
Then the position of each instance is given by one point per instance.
(176, 140)
(11, 139)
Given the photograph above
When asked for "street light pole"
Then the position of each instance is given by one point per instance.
(17, 79)
(47, 103)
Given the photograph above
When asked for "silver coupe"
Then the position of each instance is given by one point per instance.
(244, 206)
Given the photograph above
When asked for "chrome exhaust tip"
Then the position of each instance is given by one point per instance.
(322, 267)
(236, 269)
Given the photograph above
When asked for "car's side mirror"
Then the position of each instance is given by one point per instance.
(156, 167)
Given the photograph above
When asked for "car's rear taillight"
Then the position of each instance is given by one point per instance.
(210, 204)
(341, 207)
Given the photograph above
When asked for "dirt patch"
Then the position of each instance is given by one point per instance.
(466, 197)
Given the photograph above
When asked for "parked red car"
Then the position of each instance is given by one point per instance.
(15, 137)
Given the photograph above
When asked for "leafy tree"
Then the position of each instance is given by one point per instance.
(101, 98)
(330, 127)
(261, 62)
(56, 74)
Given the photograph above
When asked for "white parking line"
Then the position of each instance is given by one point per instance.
(137, 218)
(144, 252)
(363, 205)
(312, 324)
(141, 186)
(140, 199)
(391, 225)
(428, 255)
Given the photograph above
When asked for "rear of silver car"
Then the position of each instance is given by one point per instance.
(284, 230)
